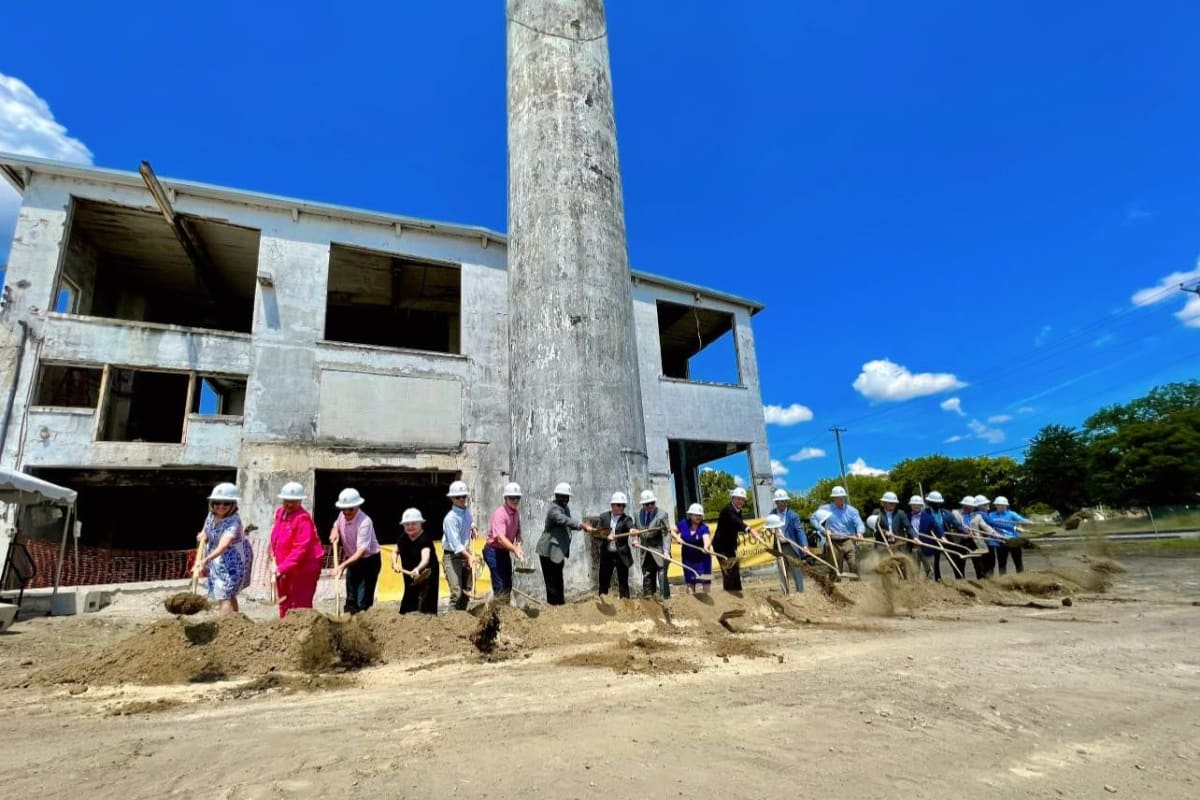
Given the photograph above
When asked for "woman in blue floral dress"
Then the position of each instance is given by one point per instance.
(229, 556)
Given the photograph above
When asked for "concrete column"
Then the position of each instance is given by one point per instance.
(575, 404)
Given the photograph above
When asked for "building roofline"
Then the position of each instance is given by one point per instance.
(17, 170)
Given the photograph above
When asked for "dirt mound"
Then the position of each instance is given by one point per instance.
(186, 603)
(735, 646)
(630, 660)
(179, 651)
(145, 707)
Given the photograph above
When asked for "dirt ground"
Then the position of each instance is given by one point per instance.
(936, 692)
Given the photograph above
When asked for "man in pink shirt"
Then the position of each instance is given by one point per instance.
(504, 541)
(360, 562)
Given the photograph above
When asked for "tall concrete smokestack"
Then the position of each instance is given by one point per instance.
(576, 398)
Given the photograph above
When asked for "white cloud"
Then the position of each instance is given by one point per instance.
(805, 453)
(738, 480)
(953, 439)
(778, 468)
(859, 467)
(27, 128)
(981, 431)
(708, 469)
(1166, 288)
(885, 381)
(1043, 336)
(1100, 341)
(1025, 410)
(780, 483)
(787, 415)
(1000, 419)
(1135, 213)
(953, 404)
(1190, 313)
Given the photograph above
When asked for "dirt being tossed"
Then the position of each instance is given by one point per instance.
(634, 635)
(186, 603)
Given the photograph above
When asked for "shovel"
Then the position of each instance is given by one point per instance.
(722, 560)
(337, 584)
(190, 602)
(528, 597)
(668, 558)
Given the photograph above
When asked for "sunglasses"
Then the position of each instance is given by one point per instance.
(222, 503)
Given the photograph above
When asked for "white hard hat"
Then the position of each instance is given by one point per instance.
(838, 491)
(823, 515)
(916, 500)
(695, 509)
(619, 499)
(1000, 500)
(224, 491)
(349, 498)
(291, 491)
(969, 500)
(873, 521)
(934, 497)
(780, 494)
(512, 490)
(457, 489)
(889, 497)
(981, 500)
(773, 522)
(648, 497)
(562, 488)
(411, 515)
(738, 492)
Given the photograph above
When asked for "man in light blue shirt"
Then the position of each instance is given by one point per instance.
(457, 531)
(845, 527)
(792, 531)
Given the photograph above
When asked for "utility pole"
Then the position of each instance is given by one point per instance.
(837, 432)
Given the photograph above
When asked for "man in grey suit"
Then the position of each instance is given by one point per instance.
(615, 553)
(654, 573)
(555, 545)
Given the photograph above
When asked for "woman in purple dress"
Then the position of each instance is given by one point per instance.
(692, 533)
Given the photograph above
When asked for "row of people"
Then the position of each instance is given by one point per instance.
(981, 531)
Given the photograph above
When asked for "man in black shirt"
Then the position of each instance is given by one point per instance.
(729, 525)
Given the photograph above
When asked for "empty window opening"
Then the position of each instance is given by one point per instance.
(68, 387)
(380, 299)
(387, 493)
(706, 472)
(697, 344)
(112, 550)
(126, 263)
(216, 396)
(67, 299)
(144, 406)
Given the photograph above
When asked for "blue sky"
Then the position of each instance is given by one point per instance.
(952, 200)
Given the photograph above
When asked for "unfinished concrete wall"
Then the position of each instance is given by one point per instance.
(696, 411)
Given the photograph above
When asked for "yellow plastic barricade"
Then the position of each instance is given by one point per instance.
(391, 584)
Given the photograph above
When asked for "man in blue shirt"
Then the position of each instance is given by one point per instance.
(845, 527)
(1005, 522)
(793, 531)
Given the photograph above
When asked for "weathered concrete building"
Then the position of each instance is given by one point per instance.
(153, 348)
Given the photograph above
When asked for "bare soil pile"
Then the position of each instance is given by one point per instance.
(180, 650)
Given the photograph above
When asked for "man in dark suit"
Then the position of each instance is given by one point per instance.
(730, 524)
(892, 521)
(656, 542)
(615, 553)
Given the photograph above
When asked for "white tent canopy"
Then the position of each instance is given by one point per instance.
(17, 488)
(21, 489)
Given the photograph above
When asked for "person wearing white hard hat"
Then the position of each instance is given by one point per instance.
(615, 554)
(993, 539)
(1005, 521)
(554, 546)
(229, 557)
(504, 541)
(692, 532)
(297, 550)
(892, 521)
(658, 541)
(937, 523)
(845, 528)
(731, 524)
(458, 529)
(415, 560)
(793, 531)
(977, 532)
(354, 532)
